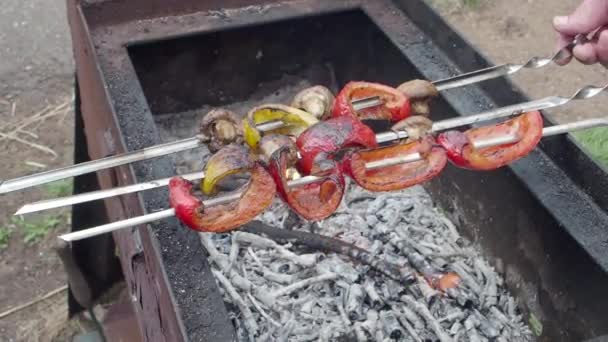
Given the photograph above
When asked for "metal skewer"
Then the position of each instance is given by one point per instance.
(194, 142)
(548, 102)
(507, 69)
(110, 227)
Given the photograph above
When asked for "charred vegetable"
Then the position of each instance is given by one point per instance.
(395, 105)
(255, 196)
(295, 121)
(319, 144)
(399, 176)
(528, 127)
(314, 201)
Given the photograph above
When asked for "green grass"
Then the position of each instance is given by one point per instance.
(456, 4)
(5, 235)
(35, 230)
(535, 325)
(59, 188)
(596, 141)
(470, 4)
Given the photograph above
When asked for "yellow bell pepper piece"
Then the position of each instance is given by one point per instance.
(229, 160)
(295, 120)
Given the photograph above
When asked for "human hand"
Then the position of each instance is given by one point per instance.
(589, 16)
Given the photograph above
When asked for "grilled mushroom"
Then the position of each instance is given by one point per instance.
(420, 93)
(219, 128)
(416, 126)
(317, 100)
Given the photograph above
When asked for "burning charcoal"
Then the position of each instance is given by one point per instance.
(275, 277)
(389, 216)
(490, 290)
(249, 321)
(356, 238)
(222, 262)
(379, 335)
(455, 328)
(428, 293)
(459, 268)
(343, 315)
(486, 327)
(241, 330)
(344, 309)
(470, 325)
(361, 334)
(307, 306)
(306, 337)
(463, 296)
(298, 299)
(376, 247)
(354, 300)
(262, 312)
(382, 232)
(371, 220)
(333, 264)
(283, 267)
(316, 241)
(392, 289)
(438, 262)
(455, 314)
(416, 260)
(286, 330)
(305, 260)
(423, 311)
(497, 315)
(234, 253)
(374, 297)
(391, 325)
(269, 297)
(411, 316)
(408, 327)
(254, 256)
(425, 221)
(511, 307)
(328, 332)
(439, 307)
(371, 323)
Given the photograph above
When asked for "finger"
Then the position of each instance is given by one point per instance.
(562, 41)
(601, 47)
(585, 53)
(590, 15)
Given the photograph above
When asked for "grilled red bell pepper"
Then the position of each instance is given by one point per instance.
(395, 105)
(255, 196)
(528, 126)
(318, 144)
(312, 202)
(399, 176)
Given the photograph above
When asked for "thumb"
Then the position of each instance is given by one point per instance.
(590, 15)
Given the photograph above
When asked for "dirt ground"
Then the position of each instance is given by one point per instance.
(512, 32)
(36, 72)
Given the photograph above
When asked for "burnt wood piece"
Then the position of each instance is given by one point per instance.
(402, 273)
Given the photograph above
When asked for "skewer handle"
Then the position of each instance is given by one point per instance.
(507, 69)
(118, 225)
